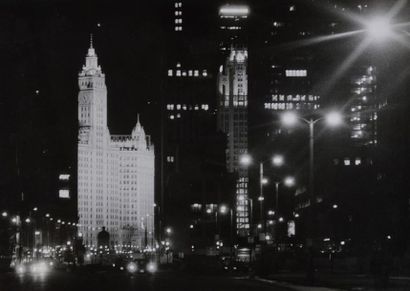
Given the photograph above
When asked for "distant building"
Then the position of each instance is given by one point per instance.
(233, 121)
(233, 27)
(193, 168)
(364, 105)
(115, 172)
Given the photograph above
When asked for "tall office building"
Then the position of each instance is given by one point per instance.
(233, 121)
(233, 27)
(364, 105)
(232, 104)
(193, 171)
(115, 172)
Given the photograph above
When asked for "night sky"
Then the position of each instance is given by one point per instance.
(42, 48)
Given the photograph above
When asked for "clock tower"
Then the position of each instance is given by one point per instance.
(92, 100)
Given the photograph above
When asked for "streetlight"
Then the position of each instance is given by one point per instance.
(379, 28)
(245, 160)
(278, 160)
(289, 181)
(333, 119)
(168, 230)
(223, 209)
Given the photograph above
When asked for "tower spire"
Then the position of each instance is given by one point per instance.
(91, 40)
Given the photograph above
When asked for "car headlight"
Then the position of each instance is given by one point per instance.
(132, 267)
(40, 268)
(20, 269)
(152, 267)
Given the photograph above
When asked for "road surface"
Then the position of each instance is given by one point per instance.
(103, 280)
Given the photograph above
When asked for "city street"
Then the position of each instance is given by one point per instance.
(106, 280)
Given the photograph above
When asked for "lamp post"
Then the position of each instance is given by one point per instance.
(333, 119)
(223, 209)
(277, 161)
(288, 181)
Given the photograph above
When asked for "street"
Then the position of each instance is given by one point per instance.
(121, 281)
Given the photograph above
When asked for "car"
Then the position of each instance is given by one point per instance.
(141, 266)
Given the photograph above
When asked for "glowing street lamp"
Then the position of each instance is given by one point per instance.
(379, 28)
(289, 118)
(245, 160)
(168, 230)
(223, 209)
(278, 160)
(334, 118)
(289, 181)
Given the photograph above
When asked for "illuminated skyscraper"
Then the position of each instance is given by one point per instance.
(233, 121)
(115, 172)
(364, 105)
(233, 26)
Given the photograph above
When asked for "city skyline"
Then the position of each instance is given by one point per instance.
(280, 129)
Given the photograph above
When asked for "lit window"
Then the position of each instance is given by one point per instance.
(358, 161)
(347, 162)
(196, 73)
(178, 73)
(64, 177)
(171, 117)
(204, 73)
(170, 73)
(64, 193)
(296, 73)
(292, 8)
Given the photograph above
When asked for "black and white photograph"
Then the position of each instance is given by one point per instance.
(214, 145)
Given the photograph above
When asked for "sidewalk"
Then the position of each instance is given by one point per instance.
(296, 287)
(333, 282)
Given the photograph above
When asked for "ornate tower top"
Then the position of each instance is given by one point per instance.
(91, 67)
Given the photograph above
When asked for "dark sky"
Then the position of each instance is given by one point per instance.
(42, 48)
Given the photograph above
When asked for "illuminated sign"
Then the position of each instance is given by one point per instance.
(64, 177)
(64, 193)
(234, 10)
